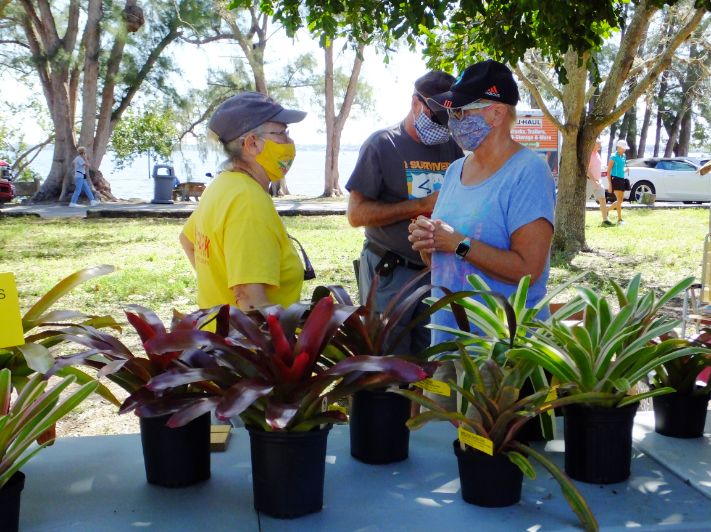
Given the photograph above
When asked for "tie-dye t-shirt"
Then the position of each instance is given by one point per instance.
(519, 193)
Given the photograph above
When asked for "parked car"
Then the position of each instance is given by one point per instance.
(7, 190)
(670, 178)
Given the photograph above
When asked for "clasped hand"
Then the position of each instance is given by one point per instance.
(427, 235)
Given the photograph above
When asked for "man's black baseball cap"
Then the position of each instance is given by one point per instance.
(487, 80)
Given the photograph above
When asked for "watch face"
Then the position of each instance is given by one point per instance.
(462, 249)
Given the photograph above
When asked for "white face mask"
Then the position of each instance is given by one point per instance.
(430, 132)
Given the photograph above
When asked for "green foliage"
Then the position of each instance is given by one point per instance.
(681, 373)
(35, 410)
(457, 32)
(148, 132)
(494, 410)
(43, 328)
(609, 352)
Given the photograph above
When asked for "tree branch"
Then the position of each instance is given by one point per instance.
(172, 35)
(213, 38)
(18, 43)
(539, 99)
(19, 166)
(544, 80)
(662, 64)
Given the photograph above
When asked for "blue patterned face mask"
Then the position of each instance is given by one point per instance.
(430, 133)
(470, 131)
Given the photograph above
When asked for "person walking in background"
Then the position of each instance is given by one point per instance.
(81, 179)
(396, 178)
(235, 239)
(616, 171)
(594, 186)
(495, 211)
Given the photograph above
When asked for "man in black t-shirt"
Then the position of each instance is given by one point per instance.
(396, 178)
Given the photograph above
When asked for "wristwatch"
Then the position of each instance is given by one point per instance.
(463, 248)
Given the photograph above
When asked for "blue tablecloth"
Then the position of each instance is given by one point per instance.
(98, 483)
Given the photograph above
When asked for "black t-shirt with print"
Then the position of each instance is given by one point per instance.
(392, 167)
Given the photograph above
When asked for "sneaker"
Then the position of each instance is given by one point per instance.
(620, 222)
(607, 223)
(94, 203)
(74, 205)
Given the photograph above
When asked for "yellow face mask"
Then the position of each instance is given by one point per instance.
(276, 159)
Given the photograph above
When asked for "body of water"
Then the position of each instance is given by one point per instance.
(191, 164)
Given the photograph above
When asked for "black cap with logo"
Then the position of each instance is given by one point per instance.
(487, 80)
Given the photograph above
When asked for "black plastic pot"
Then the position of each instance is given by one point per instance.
(680, 416)
(288, 470)
(491, 481)
(377, 427)
(177, 457)
(10, 502)
(598, 442)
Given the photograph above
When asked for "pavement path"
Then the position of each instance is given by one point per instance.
(288, 206)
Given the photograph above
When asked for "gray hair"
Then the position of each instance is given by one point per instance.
(232, 149)
(81, 150)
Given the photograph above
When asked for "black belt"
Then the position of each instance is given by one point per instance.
(399, 260)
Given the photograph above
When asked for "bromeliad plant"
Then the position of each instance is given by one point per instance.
(610, 352)
(275, 368)
(112, 359)
(491, 408)
(681, 373)
(369, 332)
(495, 324)
(36, 409)
(43, 328)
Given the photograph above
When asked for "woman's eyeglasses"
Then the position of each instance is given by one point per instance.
(309, 272)
(283, 134)
(458, 113)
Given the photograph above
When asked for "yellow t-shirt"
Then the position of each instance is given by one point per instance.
(239, 238)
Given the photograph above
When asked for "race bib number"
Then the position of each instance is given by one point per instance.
(11, 332)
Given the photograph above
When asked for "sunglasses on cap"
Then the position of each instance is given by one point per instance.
(438, 117)
(458, 112)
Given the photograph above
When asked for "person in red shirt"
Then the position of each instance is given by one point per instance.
(594, 185)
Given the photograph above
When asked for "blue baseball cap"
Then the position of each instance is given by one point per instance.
(245, 111)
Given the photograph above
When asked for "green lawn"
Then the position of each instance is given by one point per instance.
(664, 245)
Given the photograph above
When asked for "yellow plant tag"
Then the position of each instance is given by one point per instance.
(431, 385)
(475, 441)
(11, 332)
(210, 327)
(338, 408)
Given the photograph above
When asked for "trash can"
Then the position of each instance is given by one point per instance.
(163, 175)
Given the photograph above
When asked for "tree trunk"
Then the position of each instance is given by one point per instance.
(330, 187)
(645, 125)
(685, 135)
(569, 234)
(53, 57)
(335, 123)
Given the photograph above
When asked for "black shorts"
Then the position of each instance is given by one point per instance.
(618, 183)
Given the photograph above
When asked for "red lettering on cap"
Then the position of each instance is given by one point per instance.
(447, 103)
(493, 91)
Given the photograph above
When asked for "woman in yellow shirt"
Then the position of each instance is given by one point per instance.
(235, 239)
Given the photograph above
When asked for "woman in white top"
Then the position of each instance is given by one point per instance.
(81, 169)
